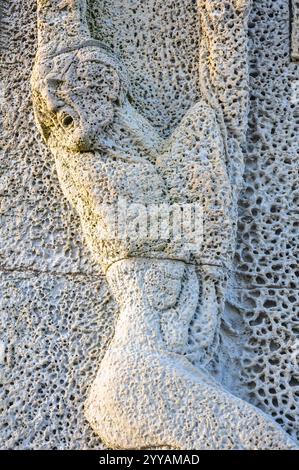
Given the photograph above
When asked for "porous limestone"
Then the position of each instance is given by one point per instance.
(156, 102)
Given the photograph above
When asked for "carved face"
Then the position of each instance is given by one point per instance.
(75, 95)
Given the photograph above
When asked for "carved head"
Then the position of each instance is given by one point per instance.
(75, 94)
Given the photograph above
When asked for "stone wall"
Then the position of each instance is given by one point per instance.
(56, 312)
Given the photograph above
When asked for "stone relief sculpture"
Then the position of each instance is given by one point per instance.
(147, 393)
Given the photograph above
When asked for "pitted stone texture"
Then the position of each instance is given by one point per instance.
(108, 152)
(54, 330)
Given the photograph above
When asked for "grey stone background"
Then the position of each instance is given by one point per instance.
(57, 315)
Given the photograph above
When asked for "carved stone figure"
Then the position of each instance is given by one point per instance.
(147, 394)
